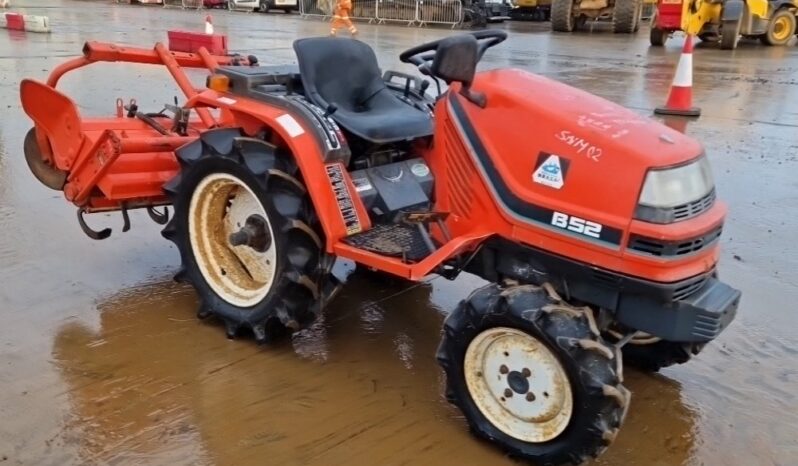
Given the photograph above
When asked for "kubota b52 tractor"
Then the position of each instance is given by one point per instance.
(598, 230)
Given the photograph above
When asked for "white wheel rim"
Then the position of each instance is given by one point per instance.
(505, 361)
(220, 206)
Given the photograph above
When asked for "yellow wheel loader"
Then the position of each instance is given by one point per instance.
(772, 21)
(568, 15)
(531, 10)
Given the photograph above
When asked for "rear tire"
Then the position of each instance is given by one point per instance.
(781, 28)
(265, 6)
(730, 33)
(657, 37)
(562, 15)
(279, 278)
(559, 397)
(624, 16)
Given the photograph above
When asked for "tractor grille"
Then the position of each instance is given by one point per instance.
(459, 173)
(691, 287)
(659, 248)
(691, 209)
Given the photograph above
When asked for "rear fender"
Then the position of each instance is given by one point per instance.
(57, 122)
(323, 168)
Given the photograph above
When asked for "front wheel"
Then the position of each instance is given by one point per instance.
(625, 15)
(730, 33)
(780, 29)
(242, 224)
(532, 374)
(562, 15)
(265, 6)
(658, 36)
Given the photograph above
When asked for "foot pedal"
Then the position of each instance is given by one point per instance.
(395, 240)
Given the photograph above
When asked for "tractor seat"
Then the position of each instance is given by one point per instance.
(344, 72)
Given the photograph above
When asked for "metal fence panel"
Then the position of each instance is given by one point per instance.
(364, 10)
(440, 12)
(397, 10)
(195, 4)
(421, 12)
(316, 8)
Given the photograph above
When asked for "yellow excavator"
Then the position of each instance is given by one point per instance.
(772, 21)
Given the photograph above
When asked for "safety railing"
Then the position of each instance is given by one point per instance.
(440, 12)
(185, 4)
(405, 11)
(411, 12)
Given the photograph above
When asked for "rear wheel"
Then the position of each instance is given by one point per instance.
(242, 225)
(781, 28)
(730, 33)
(533, 375)
(265, 6)
(562, 15)
(624, 16)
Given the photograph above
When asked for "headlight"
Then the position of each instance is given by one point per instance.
(676, 193)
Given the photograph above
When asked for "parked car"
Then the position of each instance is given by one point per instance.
(254, 5)
(286, 5)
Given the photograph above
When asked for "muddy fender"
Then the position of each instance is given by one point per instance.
(732, 10)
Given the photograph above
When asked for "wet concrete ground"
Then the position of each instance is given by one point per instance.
(103, 362)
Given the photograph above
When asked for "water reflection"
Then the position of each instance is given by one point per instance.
(360, 387)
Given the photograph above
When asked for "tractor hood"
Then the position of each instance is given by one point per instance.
(547, 144)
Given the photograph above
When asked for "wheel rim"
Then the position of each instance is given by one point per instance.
(223, 208)
(518, 384)
(781, 29)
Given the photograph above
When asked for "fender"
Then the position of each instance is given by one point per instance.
(321, 155)
(732, 10)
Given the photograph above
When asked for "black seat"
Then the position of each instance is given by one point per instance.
(344, 72)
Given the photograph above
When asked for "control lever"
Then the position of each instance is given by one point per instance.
(424, 87)
(331, 108)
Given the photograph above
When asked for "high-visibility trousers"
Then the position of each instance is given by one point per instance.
(341, 18)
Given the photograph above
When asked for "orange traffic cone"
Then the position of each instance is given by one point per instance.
(208, 25)
(680, 99)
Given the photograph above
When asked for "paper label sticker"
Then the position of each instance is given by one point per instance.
(290, 125)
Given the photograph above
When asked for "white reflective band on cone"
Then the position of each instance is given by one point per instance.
(36, 23)
(684, 71)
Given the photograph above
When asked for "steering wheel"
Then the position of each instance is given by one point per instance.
(422, 55)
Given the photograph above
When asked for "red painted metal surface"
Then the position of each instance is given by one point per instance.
(189, 41)
(15, 21)
(669, 14)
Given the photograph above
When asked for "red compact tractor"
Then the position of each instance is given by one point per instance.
(598, 231)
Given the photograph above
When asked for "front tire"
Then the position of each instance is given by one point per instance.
(242, 225)
(781, 28)
(624, 16)
(265, 6)
(533, 375)
(730, 33)
(562, 15)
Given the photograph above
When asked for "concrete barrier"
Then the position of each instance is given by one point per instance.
(20, 22)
